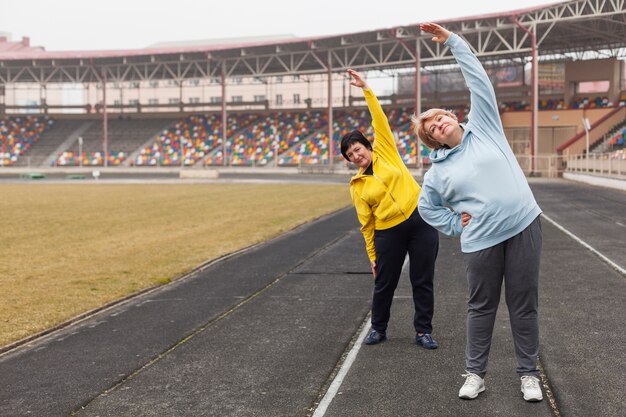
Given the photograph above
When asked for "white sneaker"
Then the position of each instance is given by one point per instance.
(531, 388)
(473, 386)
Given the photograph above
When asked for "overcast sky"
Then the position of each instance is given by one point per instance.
(71, 25)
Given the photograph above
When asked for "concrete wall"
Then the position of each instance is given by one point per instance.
(555, 128)
(595, 70)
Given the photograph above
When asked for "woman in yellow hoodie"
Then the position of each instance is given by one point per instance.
(385, 197)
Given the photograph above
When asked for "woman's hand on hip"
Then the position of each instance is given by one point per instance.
(465, 219)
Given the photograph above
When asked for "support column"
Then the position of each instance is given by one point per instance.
(418, 101)
(418, 80)
(139, 96)
(224, 115)
(180, 95)
(105, 145)
(534, 96)
(121, 87)
(2, 113)
(535, 106)
(3, 99)
(330, 112)
(43, 98)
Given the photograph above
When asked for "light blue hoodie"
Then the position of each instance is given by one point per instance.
(480, 176)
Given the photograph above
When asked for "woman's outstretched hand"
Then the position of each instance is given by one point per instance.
(356, 79)
(441, 34)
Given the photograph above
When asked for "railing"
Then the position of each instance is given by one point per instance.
(547, 166)
(577, 144)
(608, 164)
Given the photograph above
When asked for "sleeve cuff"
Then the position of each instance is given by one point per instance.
(450, 41)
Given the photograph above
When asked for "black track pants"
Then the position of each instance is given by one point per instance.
(421, 242)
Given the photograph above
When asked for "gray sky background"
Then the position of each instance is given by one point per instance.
(72, 25)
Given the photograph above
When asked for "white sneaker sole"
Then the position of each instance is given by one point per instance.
(532, 399)
(470, 397)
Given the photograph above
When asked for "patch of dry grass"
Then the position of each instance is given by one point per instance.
(67, 249)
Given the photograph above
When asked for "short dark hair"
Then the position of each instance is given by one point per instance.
(351, 138)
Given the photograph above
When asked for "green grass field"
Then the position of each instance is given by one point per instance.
(67, 249)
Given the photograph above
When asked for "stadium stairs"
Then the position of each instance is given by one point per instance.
(58, 140)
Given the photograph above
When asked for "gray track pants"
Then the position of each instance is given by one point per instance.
(517, 261)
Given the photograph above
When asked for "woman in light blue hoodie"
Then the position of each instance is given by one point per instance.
(475, 189)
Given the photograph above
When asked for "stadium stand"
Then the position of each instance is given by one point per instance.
(558, 104)
(254, 138)
(18, 135)
(51, 141)
(274, 133)
(590, 103)
(552, 104)
(124, 136)
(198, 134)
(315, 149)
(612, 141)
(616, 140)
(261, 126)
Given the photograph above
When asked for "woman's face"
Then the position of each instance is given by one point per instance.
(359, 155)
(442, 129)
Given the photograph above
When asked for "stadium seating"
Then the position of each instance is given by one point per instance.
(303, 138)
(254, 138)
(198, 134)
(95, 158)
(557, 104)
(612, 141)
(274, 133)
(619, 154)
(315, 149)
(51, 141)
(18, 135)
(123, 137)
(616, 141)
(590, 103)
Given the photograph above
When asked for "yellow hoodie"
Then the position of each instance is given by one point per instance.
(388, 197)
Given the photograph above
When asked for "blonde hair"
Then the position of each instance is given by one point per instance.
(419, 126)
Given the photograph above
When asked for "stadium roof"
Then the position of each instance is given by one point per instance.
(572, 28)
(223, 41)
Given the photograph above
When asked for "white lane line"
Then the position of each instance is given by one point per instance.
(345, 367)
(320, 411)
(586, 245)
